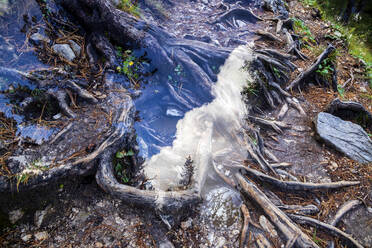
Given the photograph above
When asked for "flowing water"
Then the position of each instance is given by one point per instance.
(209, 134)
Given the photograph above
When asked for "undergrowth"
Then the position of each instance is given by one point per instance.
(357, 32)
(129, 6)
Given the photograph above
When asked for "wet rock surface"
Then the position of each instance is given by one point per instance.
(345, 136)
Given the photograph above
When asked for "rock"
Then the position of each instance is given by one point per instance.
(38, 38)
(344, 136)
(15, 215)
(276, 6)
(64, 50)
(75, 47)
(41, 235)
(26, 237)
(41, 216)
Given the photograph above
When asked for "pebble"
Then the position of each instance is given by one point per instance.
(65, 51)
(75, 47)
(37, 38)
(41, 235)
(98, 244)
(26, 237)
(15, 215)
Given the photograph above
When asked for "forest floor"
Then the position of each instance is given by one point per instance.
(79, 214)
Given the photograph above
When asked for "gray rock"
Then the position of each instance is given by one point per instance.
(64, 50)
(276, 6)
(344, 136)
(4, 7)
(75, 47)
(41, 216)
(15, 215)
(26, 237)
(38, 38)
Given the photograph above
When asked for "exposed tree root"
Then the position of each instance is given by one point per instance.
(246, 222)
(267, 35)
(302, 77)
(298, 209)
(326, 227)
(288, 229)
(345, 208)
(350, 111)
(229, 18)
(294, 47)
(296, 186)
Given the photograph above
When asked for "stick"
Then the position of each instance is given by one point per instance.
(277, 217)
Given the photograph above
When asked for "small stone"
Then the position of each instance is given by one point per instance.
(41, 215)
(75, 47)
(26, 237)
(333, 166)
(363, 89)
(57, 116)
(41, 235)
(64, 50)
(15, 215)
(98, 244)
(38, 38)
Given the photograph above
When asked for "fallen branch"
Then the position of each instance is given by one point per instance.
(326, 227)
(312, 69)
(296, 186)
(277, 217)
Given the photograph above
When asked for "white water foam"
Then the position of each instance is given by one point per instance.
(208, 134)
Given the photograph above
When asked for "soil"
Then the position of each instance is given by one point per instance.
(79, 214)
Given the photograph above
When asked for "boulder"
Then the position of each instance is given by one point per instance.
(345, 136)
(38, 38)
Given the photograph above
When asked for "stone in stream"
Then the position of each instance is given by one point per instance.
(38, 38)
(344, 136)
(64, 50)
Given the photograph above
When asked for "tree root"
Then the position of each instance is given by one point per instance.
(326, 227)
(296, 186)
(311, 70)
(349, 110)
(267, 35)
(246, 222)
(345, 208)
(275, 125)
(170, 202)
(288, 229)
(298, 209)
(294, 47)
(237, 14)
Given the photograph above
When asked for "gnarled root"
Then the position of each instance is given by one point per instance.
(302, 77)
(170, 202)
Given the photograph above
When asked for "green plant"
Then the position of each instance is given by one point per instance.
(341, 91)
(121, 171)
(130, 65)
(301, 29)
(122, 154)
(130, 7)
(250, 89)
